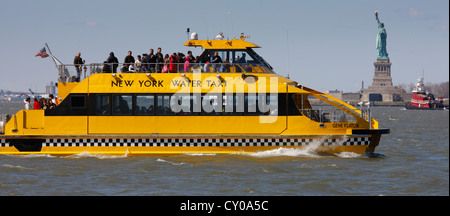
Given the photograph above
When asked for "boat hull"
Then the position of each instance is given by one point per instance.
(411, 107)
(173, 145)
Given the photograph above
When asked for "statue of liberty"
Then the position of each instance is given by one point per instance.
(381, 39)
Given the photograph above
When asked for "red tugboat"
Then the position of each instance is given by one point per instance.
(424, 101)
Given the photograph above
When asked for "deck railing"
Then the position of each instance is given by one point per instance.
(336, 115)
(327, 115)
(68, 72)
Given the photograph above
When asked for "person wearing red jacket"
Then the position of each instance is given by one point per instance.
(173, 63)
(36, 105)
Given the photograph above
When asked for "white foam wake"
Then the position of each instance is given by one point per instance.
(164, 161)
(290, 152)
(309, 150)
(34, 156)
(200, 154)
(99, 156)
(348, 155)
(18, 167)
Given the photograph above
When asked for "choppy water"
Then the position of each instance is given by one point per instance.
(414, 160)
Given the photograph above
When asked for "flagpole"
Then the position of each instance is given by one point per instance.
(55, 60)
(58, 64)
(46, 45)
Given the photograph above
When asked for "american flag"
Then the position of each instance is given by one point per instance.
(42, 53)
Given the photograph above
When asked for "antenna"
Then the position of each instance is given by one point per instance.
(187, 32)
(287, 43)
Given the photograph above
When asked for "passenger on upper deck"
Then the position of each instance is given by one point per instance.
(36, 105)
(165, 68)
(78, 62)
(242, 59)
(216, 60)
(137, 63)
(203, 62)
(144, 61)
(51, 104)
(159, 52)
(187, 65)
(225, 67)
(129, 60)
(114, 61)
(181, 57)
(131, 69)
(27, 103)
(52, 99)
(106, 67)
(44, 103)
(152, 61)
(191, 57)
(166, 59)
(173, 63)
(159, 62)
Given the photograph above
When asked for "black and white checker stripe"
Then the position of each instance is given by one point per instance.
(199, 142)
(3, 143)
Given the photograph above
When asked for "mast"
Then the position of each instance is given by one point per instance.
(55, 60)
(287, 43)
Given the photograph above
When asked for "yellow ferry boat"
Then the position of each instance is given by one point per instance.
(238, 105)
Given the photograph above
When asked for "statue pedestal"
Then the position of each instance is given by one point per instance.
(382, 76)
(382, 88)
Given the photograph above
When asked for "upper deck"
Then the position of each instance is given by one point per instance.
(234, 56)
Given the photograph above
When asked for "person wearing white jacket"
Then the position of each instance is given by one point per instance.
(27, 103)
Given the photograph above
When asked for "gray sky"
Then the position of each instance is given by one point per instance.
(331, 43)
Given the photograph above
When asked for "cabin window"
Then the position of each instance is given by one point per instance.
(103, 105)
(211, 104)
(232, 56)
(163, 105)
(229, 104)
(251, 103)
(209, 54)
(122, 104)
(183, 104)
(268, 104)
(186, 104)
(145, 105)
(77, 101)
(236, 61)
(196, 104)
(239, 57)
(261, 104)
(233, 104)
